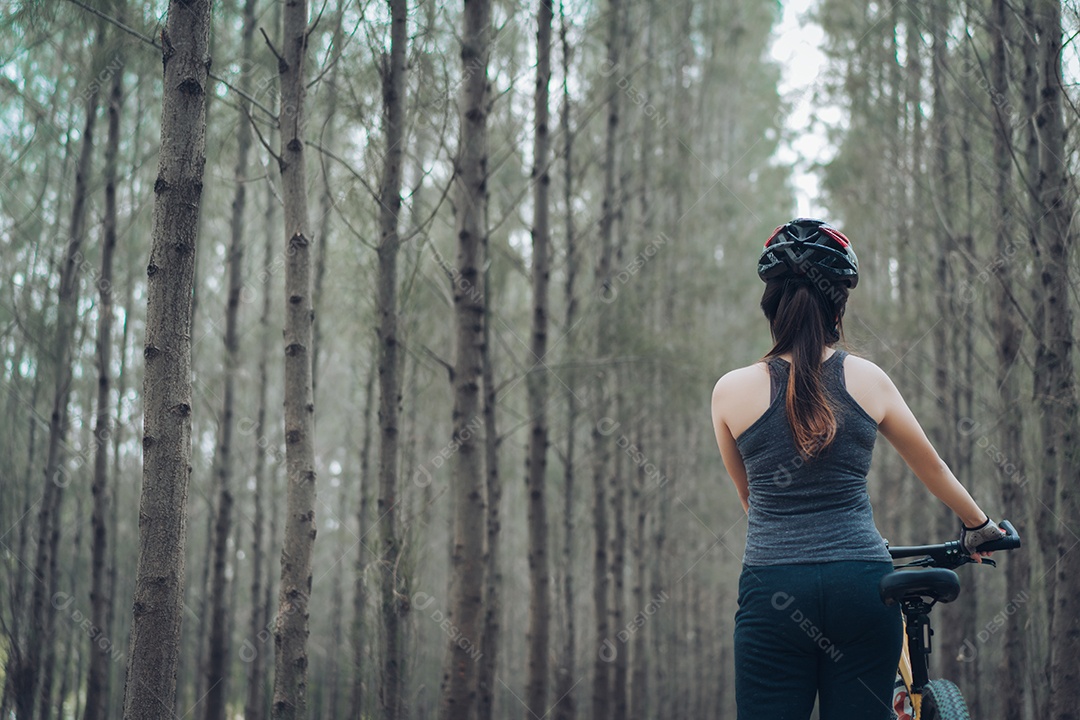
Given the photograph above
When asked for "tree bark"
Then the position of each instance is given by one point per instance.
(1041, 579)
(536, 455)
(1060, 398)
(159, 582)
(470, 192)
(291, 629)
(1008, 333)
(601, 691)
(566, 677)
(393, 603)
(489, 642)
(97, 683)
(620, 663)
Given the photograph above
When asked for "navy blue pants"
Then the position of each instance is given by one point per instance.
(815, 630)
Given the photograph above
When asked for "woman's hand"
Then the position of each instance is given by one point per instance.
(973, 537)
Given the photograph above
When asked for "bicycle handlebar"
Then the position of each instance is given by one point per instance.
(951, 554)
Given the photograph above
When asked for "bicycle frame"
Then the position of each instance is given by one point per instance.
(911, 677)
(905, 703)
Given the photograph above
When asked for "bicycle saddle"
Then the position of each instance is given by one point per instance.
(938, 584)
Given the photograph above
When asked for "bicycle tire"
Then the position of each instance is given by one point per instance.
(941, 700)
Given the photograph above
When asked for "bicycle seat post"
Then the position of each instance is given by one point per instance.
(917, 616)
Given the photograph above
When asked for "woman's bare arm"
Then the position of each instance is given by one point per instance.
(902, 429)
(728, 450)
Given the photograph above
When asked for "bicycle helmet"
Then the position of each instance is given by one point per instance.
(809, 248)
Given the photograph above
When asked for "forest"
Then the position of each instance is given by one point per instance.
(356, 355)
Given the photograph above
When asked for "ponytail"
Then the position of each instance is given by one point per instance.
(804, 317)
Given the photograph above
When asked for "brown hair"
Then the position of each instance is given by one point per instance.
(805, 316)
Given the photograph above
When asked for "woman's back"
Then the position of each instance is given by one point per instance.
(817, 509)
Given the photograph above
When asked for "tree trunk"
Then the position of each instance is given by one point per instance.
(566, 679)
(217, 680)
(639, 681)
(97, 683)
(291, 629)
(1041, 579)
(357, 697)
(536, 455)
(255, 704)
(115, 698)
(51, 704)
(489, 641)
(1008, 334)
(394, 603)
(601, 692)
(947, 232)
(159, 581)
(18, 674)
(337, 600)
(620, 663)
(470, 189)
(1060, 399)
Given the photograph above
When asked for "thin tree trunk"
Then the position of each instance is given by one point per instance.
(255, 704)
(200, 658)
(159, 582)
(489, 642)
(269, 591)
(947, 235)
(17, 674)
(620, 663)
(1037, 639)
(639, 682)
(50, 704)
(337, 599)
(601, 692)
(115, 698)
(962, 625)
(97, 684)
(291, 628)
(566, 677)
(470, 186)
(357, 697)
(326, 207)
(1057, 243)
(393, 604)
(536, 455)
(217, 680)
(1008, 335)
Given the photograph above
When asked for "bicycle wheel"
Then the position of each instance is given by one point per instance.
(941, 700)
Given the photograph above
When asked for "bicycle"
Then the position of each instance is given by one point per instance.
(918, 586)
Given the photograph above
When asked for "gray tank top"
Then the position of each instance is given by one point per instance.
(817, 510)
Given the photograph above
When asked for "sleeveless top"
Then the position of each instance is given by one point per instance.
(816, 510)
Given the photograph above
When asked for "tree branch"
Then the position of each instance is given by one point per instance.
(152, 43)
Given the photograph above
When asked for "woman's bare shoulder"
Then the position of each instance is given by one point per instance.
(862, 368)
(739, 379)
(870, 386)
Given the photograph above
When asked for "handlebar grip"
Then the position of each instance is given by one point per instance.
(1010, 541)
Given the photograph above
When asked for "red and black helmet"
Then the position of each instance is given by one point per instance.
(809, 248)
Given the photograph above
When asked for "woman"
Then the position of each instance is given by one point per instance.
(796, 432)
